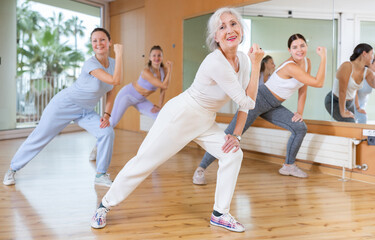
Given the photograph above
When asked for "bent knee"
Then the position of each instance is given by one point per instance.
(237, 156)
(300, 128)
(107, 132)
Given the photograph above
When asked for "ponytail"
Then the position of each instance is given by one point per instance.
(359, 49)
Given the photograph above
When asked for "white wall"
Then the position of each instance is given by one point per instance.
(8, 51)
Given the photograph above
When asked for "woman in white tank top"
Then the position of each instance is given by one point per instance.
(340, 102)
(292, 75)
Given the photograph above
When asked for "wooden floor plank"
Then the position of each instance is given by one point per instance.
(55, 198)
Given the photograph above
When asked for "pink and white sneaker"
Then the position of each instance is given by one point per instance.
(227, 221)
(99, 220)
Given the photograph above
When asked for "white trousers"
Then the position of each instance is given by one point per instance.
(180, 121)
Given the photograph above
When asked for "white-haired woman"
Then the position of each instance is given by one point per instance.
(223, 75)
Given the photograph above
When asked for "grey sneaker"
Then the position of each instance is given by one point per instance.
(99, 220)
(93, 154)
(103, 180)
(198, 177)
(292, 170)
(9, 177)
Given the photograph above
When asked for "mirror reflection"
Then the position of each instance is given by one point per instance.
(352, 100)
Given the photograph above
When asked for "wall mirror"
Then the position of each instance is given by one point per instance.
(356, 24)
(270, 24)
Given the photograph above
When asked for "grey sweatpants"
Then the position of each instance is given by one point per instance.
(270, 109)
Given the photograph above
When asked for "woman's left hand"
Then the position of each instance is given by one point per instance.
(169, 65)
(297, 117)
(360, 110)
(255, 54)
(230, 143)
(155, 109)
(104, 122)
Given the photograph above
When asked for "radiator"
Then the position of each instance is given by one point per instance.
(332, 150)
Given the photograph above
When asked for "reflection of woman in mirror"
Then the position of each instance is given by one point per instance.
(267, 67)
(223, 75)
(349, 78)
(135, 94)
(363, 94)
(293, 75)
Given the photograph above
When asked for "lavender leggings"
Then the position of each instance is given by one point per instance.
(127, 97)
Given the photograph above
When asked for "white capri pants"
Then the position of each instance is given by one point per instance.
(180, 121)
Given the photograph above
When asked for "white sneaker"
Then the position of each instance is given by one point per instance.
(227, 221)
(93, 154)
(198, 177)
(9, 177)
(99, 220)
(292, 170)
(103, 180)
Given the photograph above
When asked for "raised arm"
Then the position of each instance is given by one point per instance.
(302, 93)
(117, 77)
(256, 55)
(228, 81)
(231, 141)
(296, 72)
(370, 77)
(343, 75)
(149, 76)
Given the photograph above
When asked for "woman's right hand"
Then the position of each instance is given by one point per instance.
(321, 51)
(361, 110)
(230, 143)
(155, 109)
(347, 114)
(255, 54)
(117, 48)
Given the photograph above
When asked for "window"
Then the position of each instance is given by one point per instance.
(52, 44)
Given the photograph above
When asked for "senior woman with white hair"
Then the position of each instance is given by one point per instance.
(223, 75)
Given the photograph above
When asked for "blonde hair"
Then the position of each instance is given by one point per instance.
(214, 23)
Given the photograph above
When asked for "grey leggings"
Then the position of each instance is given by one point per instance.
(270, 109)
(332, 104)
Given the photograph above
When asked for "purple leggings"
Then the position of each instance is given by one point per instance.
(127, 97)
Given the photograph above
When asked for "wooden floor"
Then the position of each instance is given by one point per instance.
(55, 198)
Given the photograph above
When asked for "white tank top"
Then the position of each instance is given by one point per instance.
(284, 88)
(352, 88)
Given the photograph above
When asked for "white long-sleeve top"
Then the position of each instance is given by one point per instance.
(216, 82)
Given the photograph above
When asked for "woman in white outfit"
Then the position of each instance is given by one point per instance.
(223, 75)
